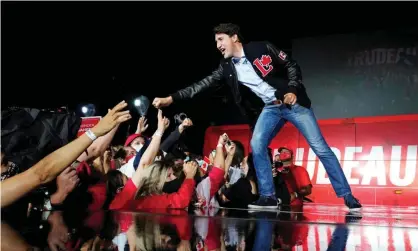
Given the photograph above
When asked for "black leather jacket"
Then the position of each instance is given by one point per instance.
(267, 61)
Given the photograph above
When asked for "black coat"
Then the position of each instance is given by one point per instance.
(268, 62)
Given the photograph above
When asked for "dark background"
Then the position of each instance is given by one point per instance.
(67, 53)
(361, 74)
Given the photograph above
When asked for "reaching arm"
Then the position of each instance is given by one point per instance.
(219, 160)
(153, 148)
(48, 168)
(293, 69)
(175, 135)
(170, 140)
(210, 81)
(98, 147)
(230, 149)
(228, 162)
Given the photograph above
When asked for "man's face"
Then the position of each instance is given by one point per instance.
(225, 44)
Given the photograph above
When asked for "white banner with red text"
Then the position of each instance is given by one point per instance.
(88, 123)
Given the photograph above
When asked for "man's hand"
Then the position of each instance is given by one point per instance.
(66, 182)
(186, 124)
(142, 125)
(290, 98)
(162, 102)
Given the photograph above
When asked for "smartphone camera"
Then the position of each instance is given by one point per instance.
(278, 164)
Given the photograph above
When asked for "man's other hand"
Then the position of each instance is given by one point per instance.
(290, 98)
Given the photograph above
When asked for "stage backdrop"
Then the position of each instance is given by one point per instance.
(356, 75)
(378, 156)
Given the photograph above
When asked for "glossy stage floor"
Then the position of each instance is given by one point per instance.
(316, 227)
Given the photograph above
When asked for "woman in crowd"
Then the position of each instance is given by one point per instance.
(145, 189)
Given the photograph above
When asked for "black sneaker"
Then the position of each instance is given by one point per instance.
(264, 203)
(352, 203)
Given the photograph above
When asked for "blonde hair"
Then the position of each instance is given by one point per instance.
(148, 234)
(153, 179)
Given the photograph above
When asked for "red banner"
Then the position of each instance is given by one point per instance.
(378, 156)
(88, 123)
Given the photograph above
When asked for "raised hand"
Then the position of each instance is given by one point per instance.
(189, 169)
(223, 139)
(112, 119)
(163, 122)
(142, 125)
(186, 124)
(230, 149)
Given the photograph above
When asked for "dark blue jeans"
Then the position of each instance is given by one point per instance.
(263, 235)
(271, 120)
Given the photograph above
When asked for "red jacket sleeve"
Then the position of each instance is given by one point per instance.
(181, 199)
(124, 198)
(216, 177)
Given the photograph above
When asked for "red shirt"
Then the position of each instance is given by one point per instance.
(216, 177)
(98, 193)
(296, 179)
(183, 224)
(125, 200)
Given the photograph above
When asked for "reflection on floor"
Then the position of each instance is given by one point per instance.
(316, 227)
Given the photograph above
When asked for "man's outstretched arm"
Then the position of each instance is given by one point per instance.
(211, 81)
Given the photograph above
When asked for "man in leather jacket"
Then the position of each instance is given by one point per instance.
(252, 71)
